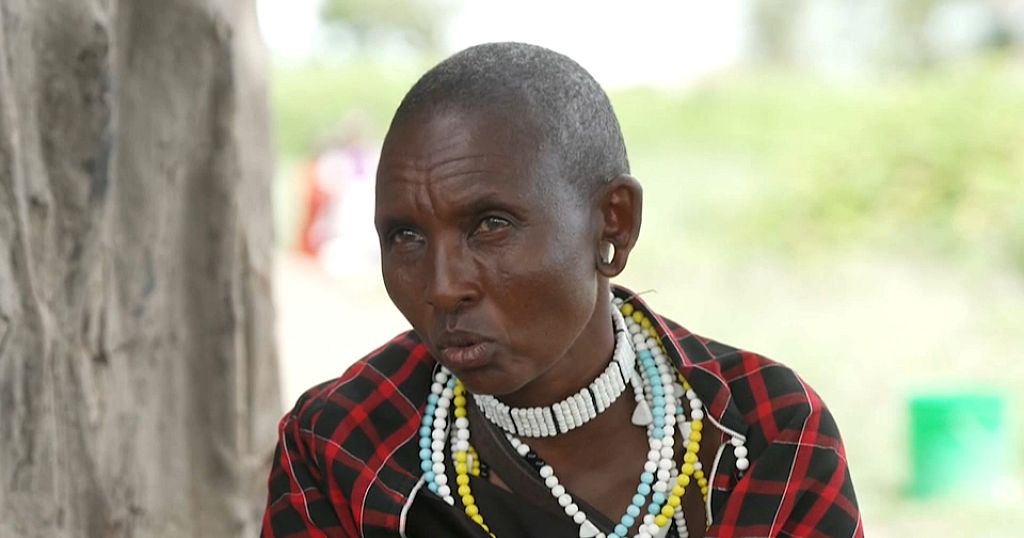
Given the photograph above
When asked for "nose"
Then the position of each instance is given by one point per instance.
(453, 282)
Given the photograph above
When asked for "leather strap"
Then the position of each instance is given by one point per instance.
(494, 448)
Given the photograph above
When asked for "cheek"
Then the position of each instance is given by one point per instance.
(550, 297)
(403, 290)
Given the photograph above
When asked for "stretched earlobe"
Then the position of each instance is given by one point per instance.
(620, 212)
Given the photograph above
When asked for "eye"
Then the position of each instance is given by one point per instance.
(404, 237)
(491, 224)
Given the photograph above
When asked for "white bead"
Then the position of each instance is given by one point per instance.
(436, 388)
(437, 457)
(666, 464)
(440, 423)
(462, 422)
(558, 491)
(551, 481)
(461, 445)
(660, 487)
(438, 468)
(650, 466)
(522, 449)
(579, 517)
(740, 451)
(668, 442)
(461, 434)
(667, 452)
(690, 395)
(696, 404)
(447, 393)
(546, 471)
(571, 510)
(437, 434)
(698, 465)
(655, 444)
(441, 479)
(437, 445)
(564, 500)
(696, 414)
(742, 464)
(736, 441)
(653, 455)
(444, 490)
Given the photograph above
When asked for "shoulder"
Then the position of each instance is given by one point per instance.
(379, 394)
(775, 402)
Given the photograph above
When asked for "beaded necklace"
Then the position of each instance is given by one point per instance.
(659, 392)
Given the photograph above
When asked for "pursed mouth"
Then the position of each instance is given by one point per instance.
(463, 350)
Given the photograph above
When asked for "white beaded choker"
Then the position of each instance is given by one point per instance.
(576, 410)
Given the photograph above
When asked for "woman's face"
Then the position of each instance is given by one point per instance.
(490, 255)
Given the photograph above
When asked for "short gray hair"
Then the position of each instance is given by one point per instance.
(563, 100)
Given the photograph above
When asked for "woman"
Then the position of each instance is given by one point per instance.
(532, 398)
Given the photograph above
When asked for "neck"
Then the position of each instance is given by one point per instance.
(581, 364)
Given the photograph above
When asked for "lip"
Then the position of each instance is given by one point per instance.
(461, 350)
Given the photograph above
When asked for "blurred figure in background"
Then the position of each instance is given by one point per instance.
(337, 219)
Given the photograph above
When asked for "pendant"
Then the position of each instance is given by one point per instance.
(642, 414)
(588, 530)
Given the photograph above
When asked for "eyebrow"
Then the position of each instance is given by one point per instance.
(474, 206)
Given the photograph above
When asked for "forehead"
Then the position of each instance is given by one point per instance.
(448, 150)
(432, 134)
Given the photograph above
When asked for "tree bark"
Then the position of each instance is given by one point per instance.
(138, 382)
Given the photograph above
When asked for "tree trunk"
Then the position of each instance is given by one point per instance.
(138, 386)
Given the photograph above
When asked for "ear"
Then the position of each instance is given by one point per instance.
(620, 207)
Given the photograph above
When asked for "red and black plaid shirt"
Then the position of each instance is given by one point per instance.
(347, 462)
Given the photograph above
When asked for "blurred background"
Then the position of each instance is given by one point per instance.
(836, 184)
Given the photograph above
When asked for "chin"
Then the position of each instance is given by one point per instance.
(488, 381)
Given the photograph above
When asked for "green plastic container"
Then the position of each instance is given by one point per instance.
(959, 443)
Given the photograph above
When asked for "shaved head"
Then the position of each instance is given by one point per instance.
(541, 91)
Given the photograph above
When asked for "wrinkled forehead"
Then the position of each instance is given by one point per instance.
(509, 125)
(491, 139)
(451, 162)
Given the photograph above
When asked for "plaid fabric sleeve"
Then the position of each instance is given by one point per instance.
(297, 505)
(798, 483)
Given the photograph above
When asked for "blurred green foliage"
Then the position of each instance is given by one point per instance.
(932, 163)
(373, 22)
(311, 101)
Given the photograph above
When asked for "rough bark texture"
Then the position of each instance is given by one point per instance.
(138, 383)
